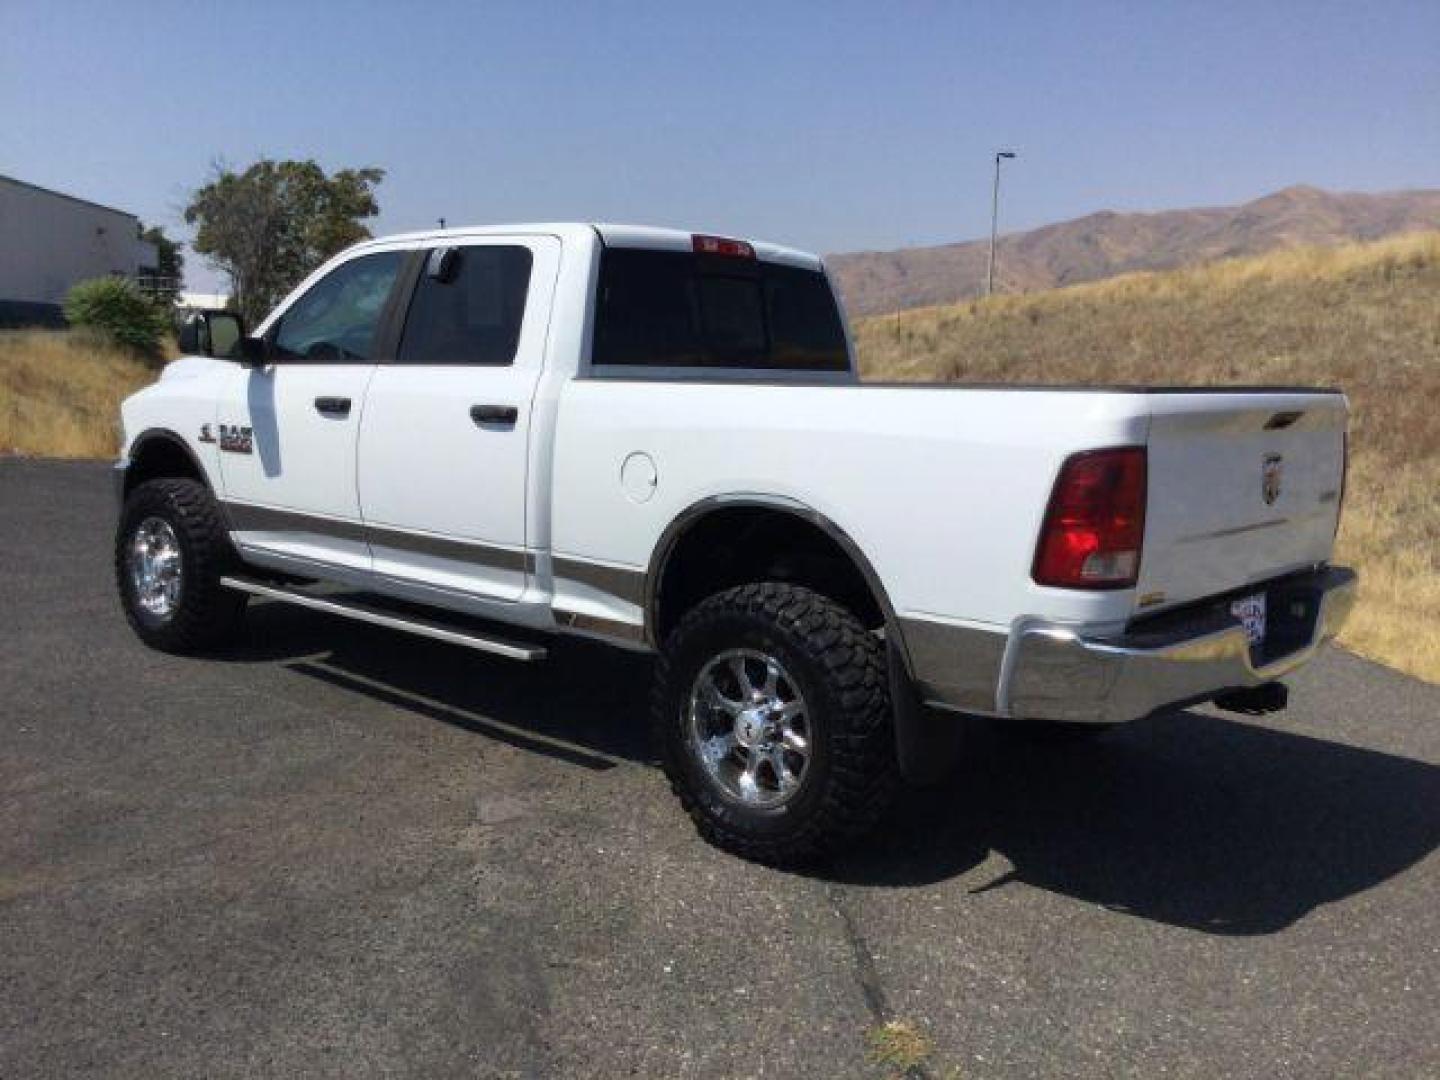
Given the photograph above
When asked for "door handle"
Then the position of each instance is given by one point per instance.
(494, 414)
(332, 406)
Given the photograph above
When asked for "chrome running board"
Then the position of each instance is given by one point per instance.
(348, 609)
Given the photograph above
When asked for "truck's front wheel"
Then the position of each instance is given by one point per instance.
(170, 552)
(772, 716)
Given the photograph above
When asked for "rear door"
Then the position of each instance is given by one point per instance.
(1243, 487)
(444, 443)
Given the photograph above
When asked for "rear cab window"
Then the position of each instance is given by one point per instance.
(681, 311)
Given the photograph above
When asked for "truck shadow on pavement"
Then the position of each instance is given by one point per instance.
(1188, 819)
(1212, 824)
(586, 705)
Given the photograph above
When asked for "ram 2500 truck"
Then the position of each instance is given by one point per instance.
(491, 436)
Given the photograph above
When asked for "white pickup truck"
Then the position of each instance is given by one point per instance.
(657, 438)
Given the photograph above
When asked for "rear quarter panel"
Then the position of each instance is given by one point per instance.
(943, 489)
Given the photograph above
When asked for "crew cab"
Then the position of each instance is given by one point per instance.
(657, 438)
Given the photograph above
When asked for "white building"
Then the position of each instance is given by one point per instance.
(203, 301)
(50, 241)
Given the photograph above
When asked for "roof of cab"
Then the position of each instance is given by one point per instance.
(612, 235)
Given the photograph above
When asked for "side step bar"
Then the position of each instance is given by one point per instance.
(511, 650)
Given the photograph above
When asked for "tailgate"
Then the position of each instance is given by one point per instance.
(1243, 486)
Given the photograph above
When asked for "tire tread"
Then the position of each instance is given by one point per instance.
(863, 774)
(208, 613)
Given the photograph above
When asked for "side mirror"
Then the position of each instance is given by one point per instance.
(210, 333)
(252, 352)
(443, 264)
(225, 330)
(194, 337)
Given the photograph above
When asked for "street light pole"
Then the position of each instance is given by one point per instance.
(995, 219)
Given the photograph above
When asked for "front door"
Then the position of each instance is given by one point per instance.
(444, 444)
(287, 430)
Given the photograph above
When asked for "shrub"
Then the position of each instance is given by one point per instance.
(119, 310)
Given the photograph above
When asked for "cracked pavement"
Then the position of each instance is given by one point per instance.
(339, 851)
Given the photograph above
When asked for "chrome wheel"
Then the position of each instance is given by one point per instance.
(154, 563)
(749, 728)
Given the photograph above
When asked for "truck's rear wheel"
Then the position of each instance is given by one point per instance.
(170, 552)
(772, 716)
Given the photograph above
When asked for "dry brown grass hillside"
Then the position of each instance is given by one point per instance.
(60, 393)
(1364, 317)
(1108, 243)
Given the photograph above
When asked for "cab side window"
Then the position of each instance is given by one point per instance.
(335, 321)
(468, 306)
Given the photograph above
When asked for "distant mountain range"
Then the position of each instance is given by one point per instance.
(1101, 245)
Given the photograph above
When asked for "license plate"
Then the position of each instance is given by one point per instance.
(1250, 610)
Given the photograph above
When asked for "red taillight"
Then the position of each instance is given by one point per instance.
(721, 245)
(1095, 523)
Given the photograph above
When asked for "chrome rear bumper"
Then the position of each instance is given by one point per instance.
(1044, 671)
(1053, 673)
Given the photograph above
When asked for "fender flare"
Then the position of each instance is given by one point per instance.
(691, 515)
(148, 437)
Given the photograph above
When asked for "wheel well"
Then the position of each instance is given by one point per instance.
(732, 546)
(161, 456)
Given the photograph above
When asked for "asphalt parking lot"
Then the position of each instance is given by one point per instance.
(339, 851)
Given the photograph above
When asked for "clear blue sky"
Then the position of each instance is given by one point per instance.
(831, 126)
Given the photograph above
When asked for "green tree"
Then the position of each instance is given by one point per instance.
(115, 307)
(269, 226)
(169, 268)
